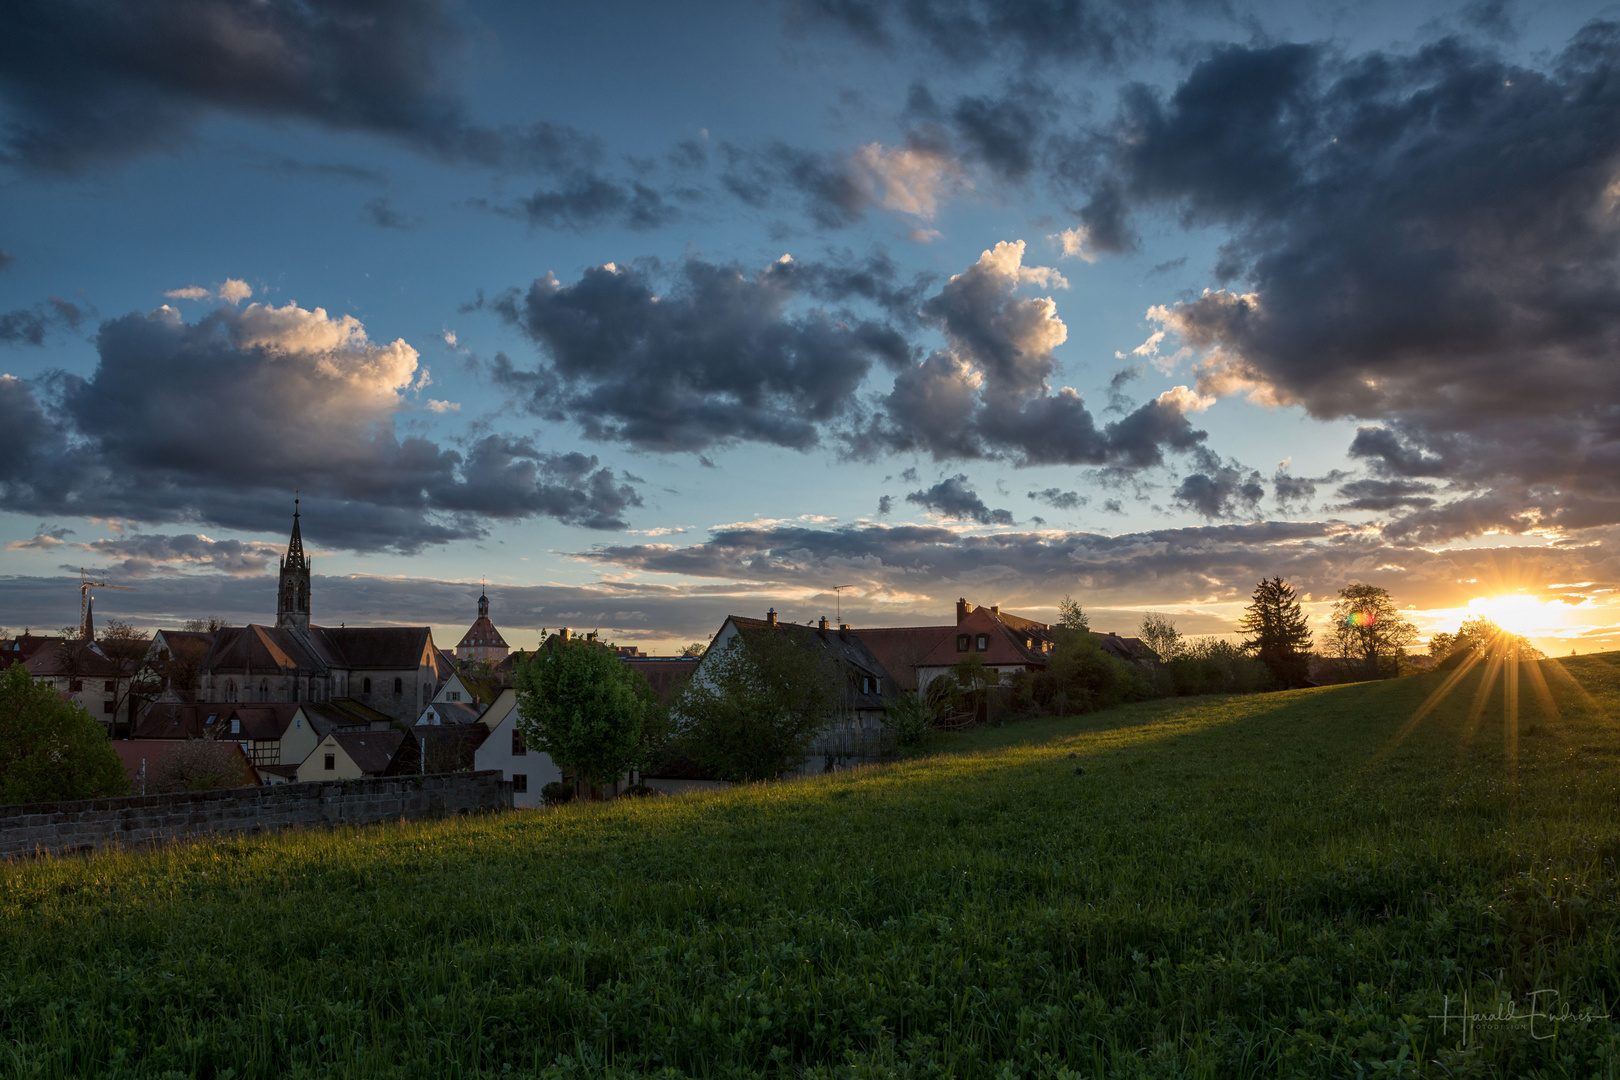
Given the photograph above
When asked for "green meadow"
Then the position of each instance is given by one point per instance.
(1368, 880)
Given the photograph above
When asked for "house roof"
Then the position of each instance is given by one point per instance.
(377, 648)
(454, 712)
(174, 720)
(901, 648)
(261, 648)
(71, 659)
(482, 633)
(157, 753)
(1126, 648)
(450, 748)
(665, 674)
(187, 646)
(842, 645)
(23, 646)
(259, 722)
(372, 751)
(1006, 646)
(385, 647)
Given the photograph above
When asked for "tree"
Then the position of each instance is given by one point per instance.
(211, 625)
(1481, 635)
(1158, 632)
(51, 749)
(696, 649)
(1070, 615)
(1279, 634)
(752, 709)
(580, 703)
(1369, 631)
(200, 765)
(126, 647)
(1441, 645)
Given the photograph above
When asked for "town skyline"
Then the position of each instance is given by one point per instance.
(933, 310)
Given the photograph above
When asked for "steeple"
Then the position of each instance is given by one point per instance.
(87, 632)
(483, 605)
(292, 595)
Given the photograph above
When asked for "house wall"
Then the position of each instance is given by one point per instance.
(298, 740)
(313, 768)
(535, 765)
(145, 820)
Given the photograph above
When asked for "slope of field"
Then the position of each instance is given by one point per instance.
(1300, 884)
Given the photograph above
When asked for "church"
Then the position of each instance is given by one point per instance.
(395, 670)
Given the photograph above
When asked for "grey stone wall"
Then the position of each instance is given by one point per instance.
(145, 820)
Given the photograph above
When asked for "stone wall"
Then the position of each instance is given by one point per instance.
(145, 820)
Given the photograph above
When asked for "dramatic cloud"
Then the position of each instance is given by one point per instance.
(1220, 489)
(1059, 499)
(1427, 240)
(719, 356)
(103, 80)
(141, 554)
(216, 422)
(954, 497)
(28, 326)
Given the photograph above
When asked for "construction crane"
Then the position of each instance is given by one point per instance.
(86, 630)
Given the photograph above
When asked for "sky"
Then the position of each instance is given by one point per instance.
(639, 317)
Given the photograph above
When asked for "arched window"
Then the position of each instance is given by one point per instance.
(365, 687)
(230, 690)
(264, 691)
(399, 686)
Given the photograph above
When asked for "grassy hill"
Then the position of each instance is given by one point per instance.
(1292, 884)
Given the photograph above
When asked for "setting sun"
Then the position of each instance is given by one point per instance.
(1524, 615)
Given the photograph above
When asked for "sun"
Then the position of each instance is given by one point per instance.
(1517, 614)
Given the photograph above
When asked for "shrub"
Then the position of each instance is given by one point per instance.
(557, 792)
(1212, 665)
(200, 766)
(908, 718)
(51, 749)
(637, 791)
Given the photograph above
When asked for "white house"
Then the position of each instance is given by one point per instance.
(529, 770)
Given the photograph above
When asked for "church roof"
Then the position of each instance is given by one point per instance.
(387, 647)
(482, 634)
(262, 648)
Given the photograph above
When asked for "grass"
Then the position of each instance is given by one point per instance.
(1292, 884)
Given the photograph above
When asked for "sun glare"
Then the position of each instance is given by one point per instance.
(1524, 615)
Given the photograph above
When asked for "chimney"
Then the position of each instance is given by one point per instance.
(563, 634)
(995, 609)
(963, 610)
(843, 626)
(823, 622)
(770, 616)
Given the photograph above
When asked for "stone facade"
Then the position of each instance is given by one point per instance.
(148, 820)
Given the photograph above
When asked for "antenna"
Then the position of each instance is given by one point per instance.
(838, 591)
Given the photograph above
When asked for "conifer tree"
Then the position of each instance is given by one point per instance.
(1279, 634)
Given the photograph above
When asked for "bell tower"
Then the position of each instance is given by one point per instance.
(292, 596)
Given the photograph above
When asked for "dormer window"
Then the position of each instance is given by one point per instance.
(983, 642)
(962, 642)
(236, 725)
(452, 695)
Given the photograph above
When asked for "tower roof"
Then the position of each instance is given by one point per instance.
(295, 546)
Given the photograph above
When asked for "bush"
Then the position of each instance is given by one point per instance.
(557, 792)
(51, 749)
(200, 766)
(637, 791)
(1079, 678)
(1213, 665)
(908, 718)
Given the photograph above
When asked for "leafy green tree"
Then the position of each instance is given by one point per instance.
(753, 708)
(1369, 631)
(51, 749)
(1441, 645)
(696, 650)
(580, 703)
(1278, 632)
(1158, 632)
(1481, 635)
(1070, 615)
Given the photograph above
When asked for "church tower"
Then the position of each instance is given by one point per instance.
(292, 598)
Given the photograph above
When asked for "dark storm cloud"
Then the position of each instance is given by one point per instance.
(1383, 495)
(717, 356)
(28, 326)
(1426, 240)
(954, 497)
(141, 554)
(103, 80)
(215, 422)
(708, 354)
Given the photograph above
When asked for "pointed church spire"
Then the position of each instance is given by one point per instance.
(292, 594)
(87, 632)
(295, 546)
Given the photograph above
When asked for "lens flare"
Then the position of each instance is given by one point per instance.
(1361, 618)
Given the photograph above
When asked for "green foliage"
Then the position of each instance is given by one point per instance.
(753, 708)
(1211, 665)
(1080, 677)
(1369, 632)
(1158, 632)
(580, 703)
(909, 718)
(1441, 645)
(1481, 635)
(1288, 885)
(51, 749)
(1070, 616)
(557, 793)
(1279, 634)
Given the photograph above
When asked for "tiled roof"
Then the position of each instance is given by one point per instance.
(482, 634)
(665, 675)
(901, 648)
(843, 645)
(259, 722)
(187, 646)
(1005, 647)
(372, 751)
(157, 753)
(328, 716)
(454, 712)
(65, 659)
(172, 720)
(385, 647)
(450, 748)
(260, 648)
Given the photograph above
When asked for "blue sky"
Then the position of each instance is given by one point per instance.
(268, 172)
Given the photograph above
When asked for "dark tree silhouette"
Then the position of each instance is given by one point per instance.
(1278, 632)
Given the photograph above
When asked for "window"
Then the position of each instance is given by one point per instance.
(518, 749)
(453, 695)
(399, 686)
(520, 782)
(984, 642)
(106, 706)
(298, 722)
(230, 690)
(961, 643)
(365, 687)
(75, 685)
(331, 762)
(110, 686)
(264, 691)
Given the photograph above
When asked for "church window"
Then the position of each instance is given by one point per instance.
(399, 686)
(230, 690)
(264, 691)
(366, 687)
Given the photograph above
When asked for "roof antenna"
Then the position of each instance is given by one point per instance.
(838, 591)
